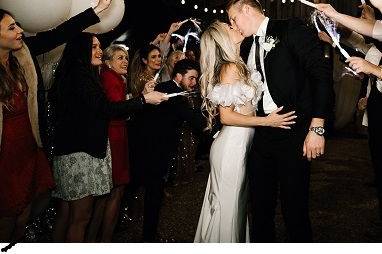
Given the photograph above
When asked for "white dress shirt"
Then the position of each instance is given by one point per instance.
(377, 30)
(268, 103)
(357, 41)
(373, 56)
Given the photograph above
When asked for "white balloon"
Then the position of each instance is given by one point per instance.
(110, 17)
(38, 15)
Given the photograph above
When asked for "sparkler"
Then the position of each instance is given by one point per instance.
(184, 93)
(195, 35)
(194, 21)
(308, 3)
(331, 27)
(158, 73)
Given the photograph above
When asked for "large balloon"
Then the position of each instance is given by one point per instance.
(110, 18)
(38, 15)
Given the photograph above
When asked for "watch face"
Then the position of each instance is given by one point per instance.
(320, 131)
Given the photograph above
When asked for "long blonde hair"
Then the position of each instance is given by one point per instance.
(217, 51)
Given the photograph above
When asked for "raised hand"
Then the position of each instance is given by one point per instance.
(174, 27)
(325, 37)
(328, 10)
(149, 86)
(282, 121)
(367, 12)
(362, 103)
(160, 37)
(102, 5)
(360, 65)
(155, 97)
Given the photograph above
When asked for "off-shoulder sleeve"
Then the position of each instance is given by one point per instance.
(231, 94)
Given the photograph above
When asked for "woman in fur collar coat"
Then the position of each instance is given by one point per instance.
(25, 172)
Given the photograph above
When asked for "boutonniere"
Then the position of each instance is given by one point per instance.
(269, 43)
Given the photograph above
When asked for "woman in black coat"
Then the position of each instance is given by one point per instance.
(82, 163)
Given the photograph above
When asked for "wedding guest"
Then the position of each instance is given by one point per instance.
(26, 176)
(188, 140)
(371, 66)
(363, 25)
(113, 78)
(171, 60)
(145, 64)
(163, 40)
(162, 141)
(82, 165)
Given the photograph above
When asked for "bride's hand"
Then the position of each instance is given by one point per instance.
(281, 120)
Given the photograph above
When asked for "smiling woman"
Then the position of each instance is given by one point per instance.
(24, 167)
(82, 162)
(113, 76)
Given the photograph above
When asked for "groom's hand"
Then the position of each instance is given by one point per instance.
(314, 146)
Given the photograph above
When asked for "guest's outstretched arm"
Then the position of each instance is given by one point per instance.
(362, 26)
(46, 41)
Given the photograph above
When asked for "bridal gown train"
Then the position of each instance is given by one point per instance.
(223, 217)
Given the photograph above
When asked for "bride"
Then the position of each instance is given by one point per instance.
(230, 91)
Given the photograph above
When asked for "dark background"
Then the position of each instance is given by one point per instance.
(144, 19)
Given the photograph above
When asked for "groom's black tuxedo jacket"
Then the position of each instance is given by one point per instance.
(298, 76)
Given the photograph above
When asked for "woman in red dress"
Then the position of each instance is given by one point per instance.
(112, 74)
(24, 168)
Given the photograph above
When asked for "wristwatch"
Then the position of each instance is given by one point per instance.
(319, 130)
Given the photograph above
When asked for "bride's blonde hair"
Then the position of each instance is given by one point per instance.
(218, 51)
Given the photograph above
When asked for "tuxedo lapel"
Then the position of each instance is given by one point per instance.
(272, 31)
(245, 48)
(272, 58)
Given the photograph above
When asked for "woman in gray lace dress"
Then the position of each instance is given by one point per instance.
(82, 164)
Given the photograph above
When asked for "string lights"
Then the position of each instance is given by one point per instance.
(202, 6)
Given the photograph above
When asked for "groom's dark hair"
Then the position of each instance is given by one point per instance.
(253, 3)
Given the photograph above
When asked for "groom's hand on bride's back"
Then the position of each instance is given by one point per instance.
(282, 121)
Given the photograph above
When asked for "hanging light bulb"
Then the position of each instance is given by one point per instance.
(214, 11)
(183, 2)
(196, 6)
(206, 9)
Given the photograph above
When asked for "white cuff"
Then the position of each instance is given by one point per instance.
(377, 30)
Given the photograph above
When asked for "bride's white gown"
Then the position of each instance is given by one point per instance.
(223, 217)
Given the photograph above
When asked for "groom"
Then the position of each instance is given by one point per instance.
(296, 76)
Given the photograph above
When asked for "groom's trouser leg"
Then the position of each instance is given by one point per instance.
(263, 192)
(294, 175)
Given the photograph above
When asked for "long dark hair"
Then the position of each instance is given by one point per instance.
(137, 65)
(77, 55)
(9, 80)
